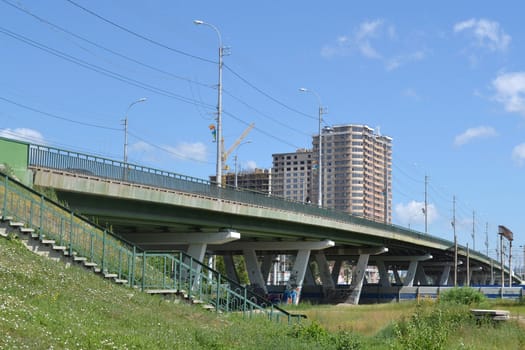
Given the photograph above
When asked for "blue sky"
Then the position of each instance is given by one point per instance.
(446, 81)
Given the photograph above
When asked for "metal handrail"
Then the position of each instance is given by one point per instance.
(113, 255)
(75, 162)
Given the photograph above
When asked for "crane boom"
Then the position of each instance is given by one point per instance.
(236, 144)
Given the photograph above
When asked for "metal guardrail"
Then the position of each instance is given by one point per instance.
(113, 255)
(54, 158)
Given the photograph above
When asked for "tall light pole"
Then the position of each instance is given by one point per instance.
(143, 99)
(320, 162)
(218, 177)
(235, 160)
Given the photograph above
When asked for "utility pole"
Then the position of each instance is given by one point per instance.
(385, 181)
(218, 176)
(455, 242)
(473, 230)
(487, 237)
(426, 205)
(467, 282)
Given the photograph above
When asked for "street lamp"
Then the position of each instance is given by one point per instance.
(235, 160)
(218, 177)
(320, 163)
(143, 99)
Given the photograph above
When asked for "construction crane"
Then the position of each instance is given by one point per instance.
(236, 144)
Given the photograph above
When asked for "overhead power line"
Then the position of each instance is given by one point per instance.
(101, 70)
(18, 104)
(143, 37)
(152, 41)
(55, 26)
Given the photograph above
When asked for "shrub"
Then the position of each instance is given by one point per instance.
(463, 296)
(430, 326)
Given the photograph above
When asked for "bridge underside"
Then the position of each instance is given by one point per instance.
(283, 257)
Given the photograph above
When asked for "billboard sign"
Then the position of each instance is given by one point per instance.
(505, 232)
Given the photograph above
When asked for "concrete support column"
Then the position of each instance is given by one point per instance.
(266, 267)
(411, 274)
(254, 272)
(421, 277)
(396, 276)
(336, 270)
(229, 264)
(324, 271)
(357, 282)
(445, 275)
(384, 280)
(297, 274)
(197, 252)
(309, 278)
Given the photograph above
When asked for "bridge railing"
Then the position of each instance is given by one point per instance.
(112, 255)
(89, 165)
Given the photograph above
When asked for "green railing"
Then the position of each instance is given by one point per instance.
(113, 255)
(89, 165)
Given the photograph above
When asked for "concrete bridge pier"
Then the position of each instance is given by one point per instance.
(445, 275)
(255, 273)
(358, 275)
(336, 269)
(229, 265)
(384, 280)
(413, 270)
(198, 242)
(325, 274)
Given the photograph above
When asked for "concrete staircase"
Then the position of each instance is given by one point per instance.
(48, 248)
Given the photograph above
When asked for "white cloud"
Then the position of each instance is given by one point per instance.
(141, 146)
(398, 61)
(518, 154)
(23, 134)
(510, 91)
(367, 31)
(185, 150)
(364, 41)
(413, 213)
(409, 92)
(474, 133)
(488, 34)
(251, 165)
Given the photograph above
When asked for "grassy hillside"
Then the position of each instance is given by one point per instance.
(45, 305)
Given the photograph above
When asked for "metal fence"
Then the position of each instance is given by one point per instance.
(112, 255)
(89, 165)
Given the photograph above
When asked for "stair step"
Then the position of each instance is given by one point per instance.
(79, 258)
(48, 241)
(90, 264)
(27, 230)
(16, 224)
(110, 275)
(120, 281)
(97, 269)
(162, 291)
(3, 232)
(59, 247)
(7, 218)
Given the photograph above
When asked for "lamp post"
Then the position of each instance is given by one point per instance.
(218, 177)
(320, 163)
(143, 99)
(235, 160)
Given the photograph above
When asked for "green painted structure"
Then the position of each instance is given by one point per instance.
(14, 158)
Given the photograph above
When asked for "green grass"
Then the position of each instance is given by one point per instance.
(45, 305)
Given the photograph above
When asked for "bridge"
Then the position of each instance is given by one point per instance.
(333, 255)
